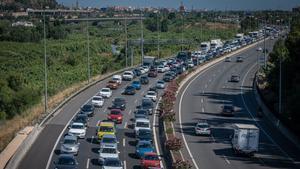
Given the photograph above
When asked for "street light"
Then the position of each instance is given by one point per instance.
(88, 50)
(158, 30)
(45, 67)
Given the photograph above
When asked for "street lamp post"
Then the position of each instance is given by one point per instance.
(158, 30)
(142, 40)
(45, 67)
(88, 51)
(126, 43)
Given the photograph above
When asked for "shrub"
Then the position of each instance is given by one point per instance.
(180, 164)
(174, 144)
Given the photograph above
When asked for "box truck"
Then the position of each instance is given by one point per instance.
(245, 139)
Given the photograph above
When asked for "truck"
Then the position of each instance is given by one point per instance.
(205, 46)
(239, 36)
(216, 43)
(149, 61)
(245, 139)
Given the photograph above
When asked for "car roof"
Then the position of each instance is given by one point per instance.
(142, 120)
(144, 142)
(70, 137)
(109, 136)
(66, 156)
(77, 123)
(118, 110)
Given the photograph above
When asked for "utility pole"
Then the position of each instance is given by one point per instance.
(45, 67)
(126, 42)
(280, 105)
(201, 27)
(142, 39)
(182, 32)
(88, 50)
(158, 30)
(265, 57)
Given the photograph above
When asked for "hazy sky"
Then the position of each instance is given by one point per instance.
(196, 4)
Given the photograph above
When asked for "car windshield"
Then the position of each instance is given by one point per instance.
(136, 82)
(105, 90)
(144, 132)
(119, 100)
(106, 129)
(87, 108)
(160, 82)
(108, 140)
(144, 112)
(142, 124)
(130, 88)
(145, 145)
(66, 161)
(69, 141)
(151, 93)
(109, 150)
(76, 126)
(112, 81)
(151, 157)
(147, 104)
(202, 126)
(112, 163)
(97, 98)
(115, 79)
(115, 112)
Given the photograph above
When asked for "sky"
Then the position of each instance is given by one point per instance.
(196, 4)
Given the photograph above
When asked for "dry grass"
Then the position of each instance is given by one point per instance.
(224, 26)
(33, 115)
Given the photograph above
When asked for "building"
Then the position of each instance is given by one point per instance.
(296, 9)
(21, 23)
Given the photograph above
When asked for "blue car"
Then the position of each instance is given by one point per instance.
(136, 84)
(143, 147)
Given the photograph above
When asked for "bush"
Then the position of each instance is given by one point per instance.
(174, 144)
(180, 164)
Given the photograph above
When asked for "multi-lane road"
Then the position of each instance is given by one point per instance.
(202, 97)
(45, 149)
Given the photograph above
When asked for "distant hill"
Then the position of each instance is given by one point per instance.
(36, 4)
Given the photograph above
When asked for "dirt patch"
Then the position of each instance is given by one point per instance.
(217, 25)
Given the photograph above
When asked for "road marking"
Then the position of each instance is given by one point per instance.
(87, 163)
(125, 125)
(125, 166)
(135, 101)
(202, 91)
(247, 109)
(92, 140)
(60, 135)
(225, 158)
(154, 133)
(130, 112)
(205, 86)
(201, 100)
(124, 142)
(143, 92)
(202, 110)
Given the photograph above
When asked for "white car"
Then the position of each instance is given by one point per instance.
(190, 64)
(105, 92)
(161, 69)
(141, 123)
(112, 163)
(108, 152)
(259, 49)
(160, 84)
(97, 101)
(117, 78)
(167, 68)
(146, 68)
(202, 128)
(77, 129)
(152, 95)
(143, 71)
(127, 75)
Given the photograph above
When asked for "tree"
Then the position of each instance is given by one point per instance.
(164, 25)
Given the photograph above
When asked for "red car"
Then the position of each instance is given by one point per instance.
(150, 160)
(115, 115)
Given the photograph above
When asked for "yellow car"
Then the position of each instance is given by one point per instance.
(105, 128)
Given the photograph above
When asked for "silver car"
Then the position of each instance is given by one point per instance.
(109, 140)
(70, 145)
(160, 84)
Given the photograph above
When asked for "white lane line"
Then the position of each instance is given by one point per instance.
(154, 134)
(202, 91)
(87, 163)
(202, 110)
(135, 101)
(59, 137)
(225, 158)
(124, 142)
(143, 92)
(201, 100)
(125, 166)
(92, 140)
(125, 125)
(247, 109)
(130, 112)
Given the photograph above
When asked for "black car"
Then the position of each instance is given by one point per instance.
(118, 103)
(152, 72)
(66, 161)
(167, 77)
(147, 104)
(81, 118)
(144, 135)
(239, 59)
(235, 78)
(137, 72)
(129, 90)
(144, 80)
(141, 113)
(228, 110)
(87, 109)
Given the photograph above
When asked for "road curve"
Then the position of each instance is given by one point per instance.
(201, 98)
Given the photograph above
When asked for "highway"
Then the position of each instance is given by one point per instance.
(45, 149)
(202, 97)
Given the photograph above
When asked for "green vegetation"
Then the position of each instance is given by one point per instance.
(288, 52)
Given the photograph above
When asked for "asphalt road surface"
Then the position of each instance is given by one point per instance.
(202, 98)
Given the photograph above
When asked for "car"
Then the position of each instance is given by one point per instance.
(109, 140)
(112, 84)
(160, 84)
(112, 163)
(144, 134)
(117, 78)
(128, 75)
(143, 71)
(105, 92)
(228, 110)
(97, 101)
(227, 59)
(152, 95)
(259, 49)
(144, 80)
(143, 147)
(146, 104)
(235, 78)
(152, 73)
(77, 129)
(167, 77)
(69, 145)
(81, 118)
(141, 123)
(66, 161)
(87, 109)
(202, 128)
(108, 152)
(239, 59)
(118, 103)
(136, 84)
(161, 69)
(150, 160)
(146, 68)
(167, 68)
(190, 64)
(137, 72)
(129, 90)
(115, 115)
(141, 113)
(105, 128)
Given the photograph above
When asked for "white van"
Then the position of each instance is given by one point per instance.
(117, 78)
